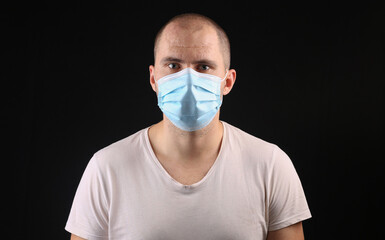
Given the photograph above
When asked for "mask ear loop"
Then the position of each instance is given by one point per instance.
(227, 71)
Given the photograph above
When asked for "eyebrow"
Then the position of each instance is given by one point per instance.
(200, 61)
(205, 62)
(171, 59)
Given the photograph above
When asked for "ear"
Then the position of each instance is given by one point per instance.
(152, 78)
(229, 81)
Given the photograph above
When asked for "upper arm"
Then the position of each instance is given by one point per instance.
(292, 232)
(89, 212)
(74, 237)
(286, 199)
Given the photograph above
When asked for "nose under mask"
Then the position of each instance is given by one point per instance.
(190, 99)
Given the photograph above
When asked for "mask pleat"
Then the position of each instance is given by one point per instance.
(189, 99)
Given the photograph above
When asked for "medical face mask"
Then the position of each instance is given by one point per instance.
(190, 99)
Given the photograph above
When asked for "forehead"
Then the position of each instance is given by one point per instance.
(193, 41)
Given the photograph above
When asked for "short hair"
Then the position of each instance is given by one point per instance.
(222, 36)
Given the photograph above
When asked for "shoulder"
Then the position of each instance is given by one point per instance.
(248, 142)
(253, 148)
(121, 152)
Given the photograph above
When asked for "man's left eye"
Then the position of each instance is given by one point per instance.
(204, 67)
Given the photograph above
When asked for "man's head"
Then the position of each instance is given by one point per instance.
(197, 42)
(193, 21)
(192, 41)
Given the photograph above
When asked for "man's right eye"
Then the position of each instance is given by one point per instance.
(173, 66)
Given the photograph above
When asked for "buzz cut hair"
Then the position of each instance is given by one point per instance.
(222, 36)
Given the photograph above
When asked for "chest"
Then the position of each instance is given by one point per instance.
(224, 208)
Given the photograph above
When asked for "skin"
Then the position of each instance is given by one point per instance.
(194, 44)
(74, 237)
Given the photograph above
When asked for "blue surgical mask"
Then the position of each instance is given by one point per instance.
(190, 99)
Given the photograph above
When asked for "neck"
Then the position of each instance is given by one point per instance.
(184, 147)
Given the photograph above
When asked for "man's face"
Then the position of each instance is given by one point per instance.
(196, 47)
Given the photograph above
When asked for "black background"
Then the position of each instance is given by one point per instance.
(310, 78)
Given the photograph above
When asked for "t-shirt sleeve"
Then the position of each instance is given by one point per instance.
(287, 201)
(88, 217)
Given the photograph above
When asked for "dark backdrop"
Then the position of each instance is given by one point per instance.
(310, 79)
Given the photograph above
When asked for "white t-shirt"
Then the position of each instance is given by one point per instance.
(125, 193)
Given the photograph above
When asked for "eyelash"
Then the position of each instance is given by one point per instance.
(177, 66)
(200, 67)
(208, 67)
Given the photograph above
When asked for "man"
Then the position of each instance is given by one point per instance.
(190, 176)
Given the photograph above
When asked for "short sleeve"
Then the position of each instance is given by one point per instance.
(88, 217)
(287, 201)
